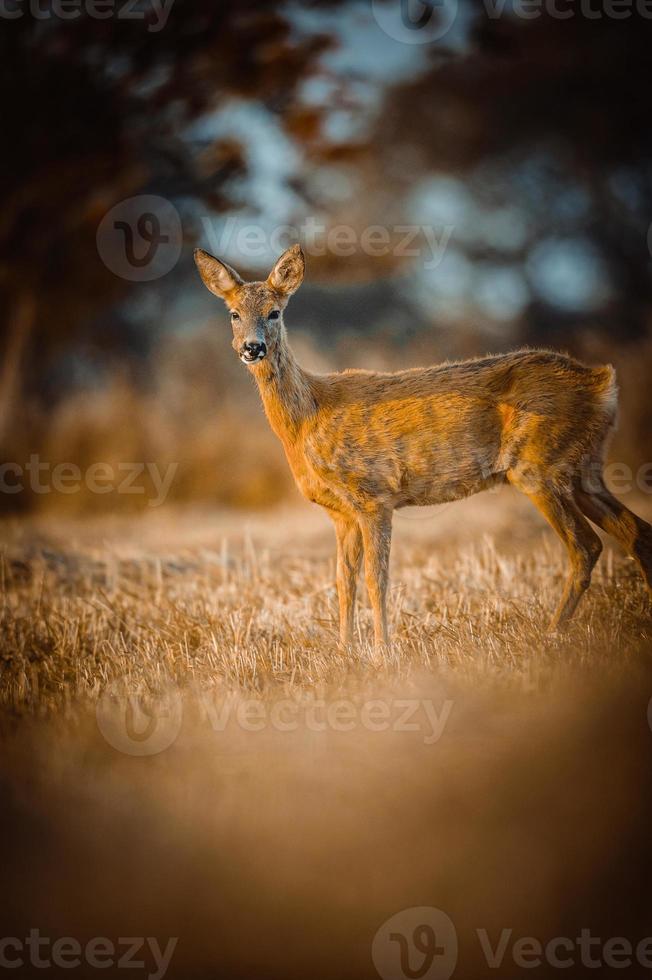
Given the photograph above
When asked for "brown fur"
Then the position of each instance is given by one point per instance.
(362, 443)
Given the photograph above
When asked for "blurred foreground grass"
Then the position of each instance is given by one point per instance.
(276, 845)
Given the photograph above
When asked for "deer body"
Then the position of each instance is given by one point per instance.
(362, 444)
(369, 439)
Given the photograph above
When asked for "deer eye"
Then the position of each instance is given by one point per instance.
(274, 315)
(234, 315)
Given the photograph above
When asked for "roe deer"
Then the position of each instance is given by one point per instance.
(362, 443)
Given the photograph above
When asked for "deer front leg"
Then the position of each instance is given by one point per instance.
(349, 555)
(377, 539)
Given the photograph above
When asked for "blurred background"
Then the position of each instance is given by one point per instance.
(464, 177)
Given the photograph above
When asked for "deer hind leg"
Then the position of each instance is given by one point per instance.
(377, 539)
(583, 544)
(349, 557)
(632, 532)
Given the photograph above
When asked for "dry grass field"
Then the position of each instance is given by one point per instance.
(187, 753)
(247, 603)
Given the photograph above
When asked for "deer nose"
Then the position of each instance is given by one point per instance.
(252, 350)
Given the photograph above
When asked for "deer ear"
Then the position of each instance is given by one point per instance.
(287, 274)
(219, 277)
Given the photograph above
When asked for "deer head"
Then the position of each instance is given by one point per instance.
(256, 308)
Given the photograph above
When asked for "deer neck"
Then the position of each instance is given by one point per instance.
(285, 391)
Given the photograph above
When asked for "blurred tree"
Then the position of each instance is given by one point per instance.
(571, 92)
(94, 111)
